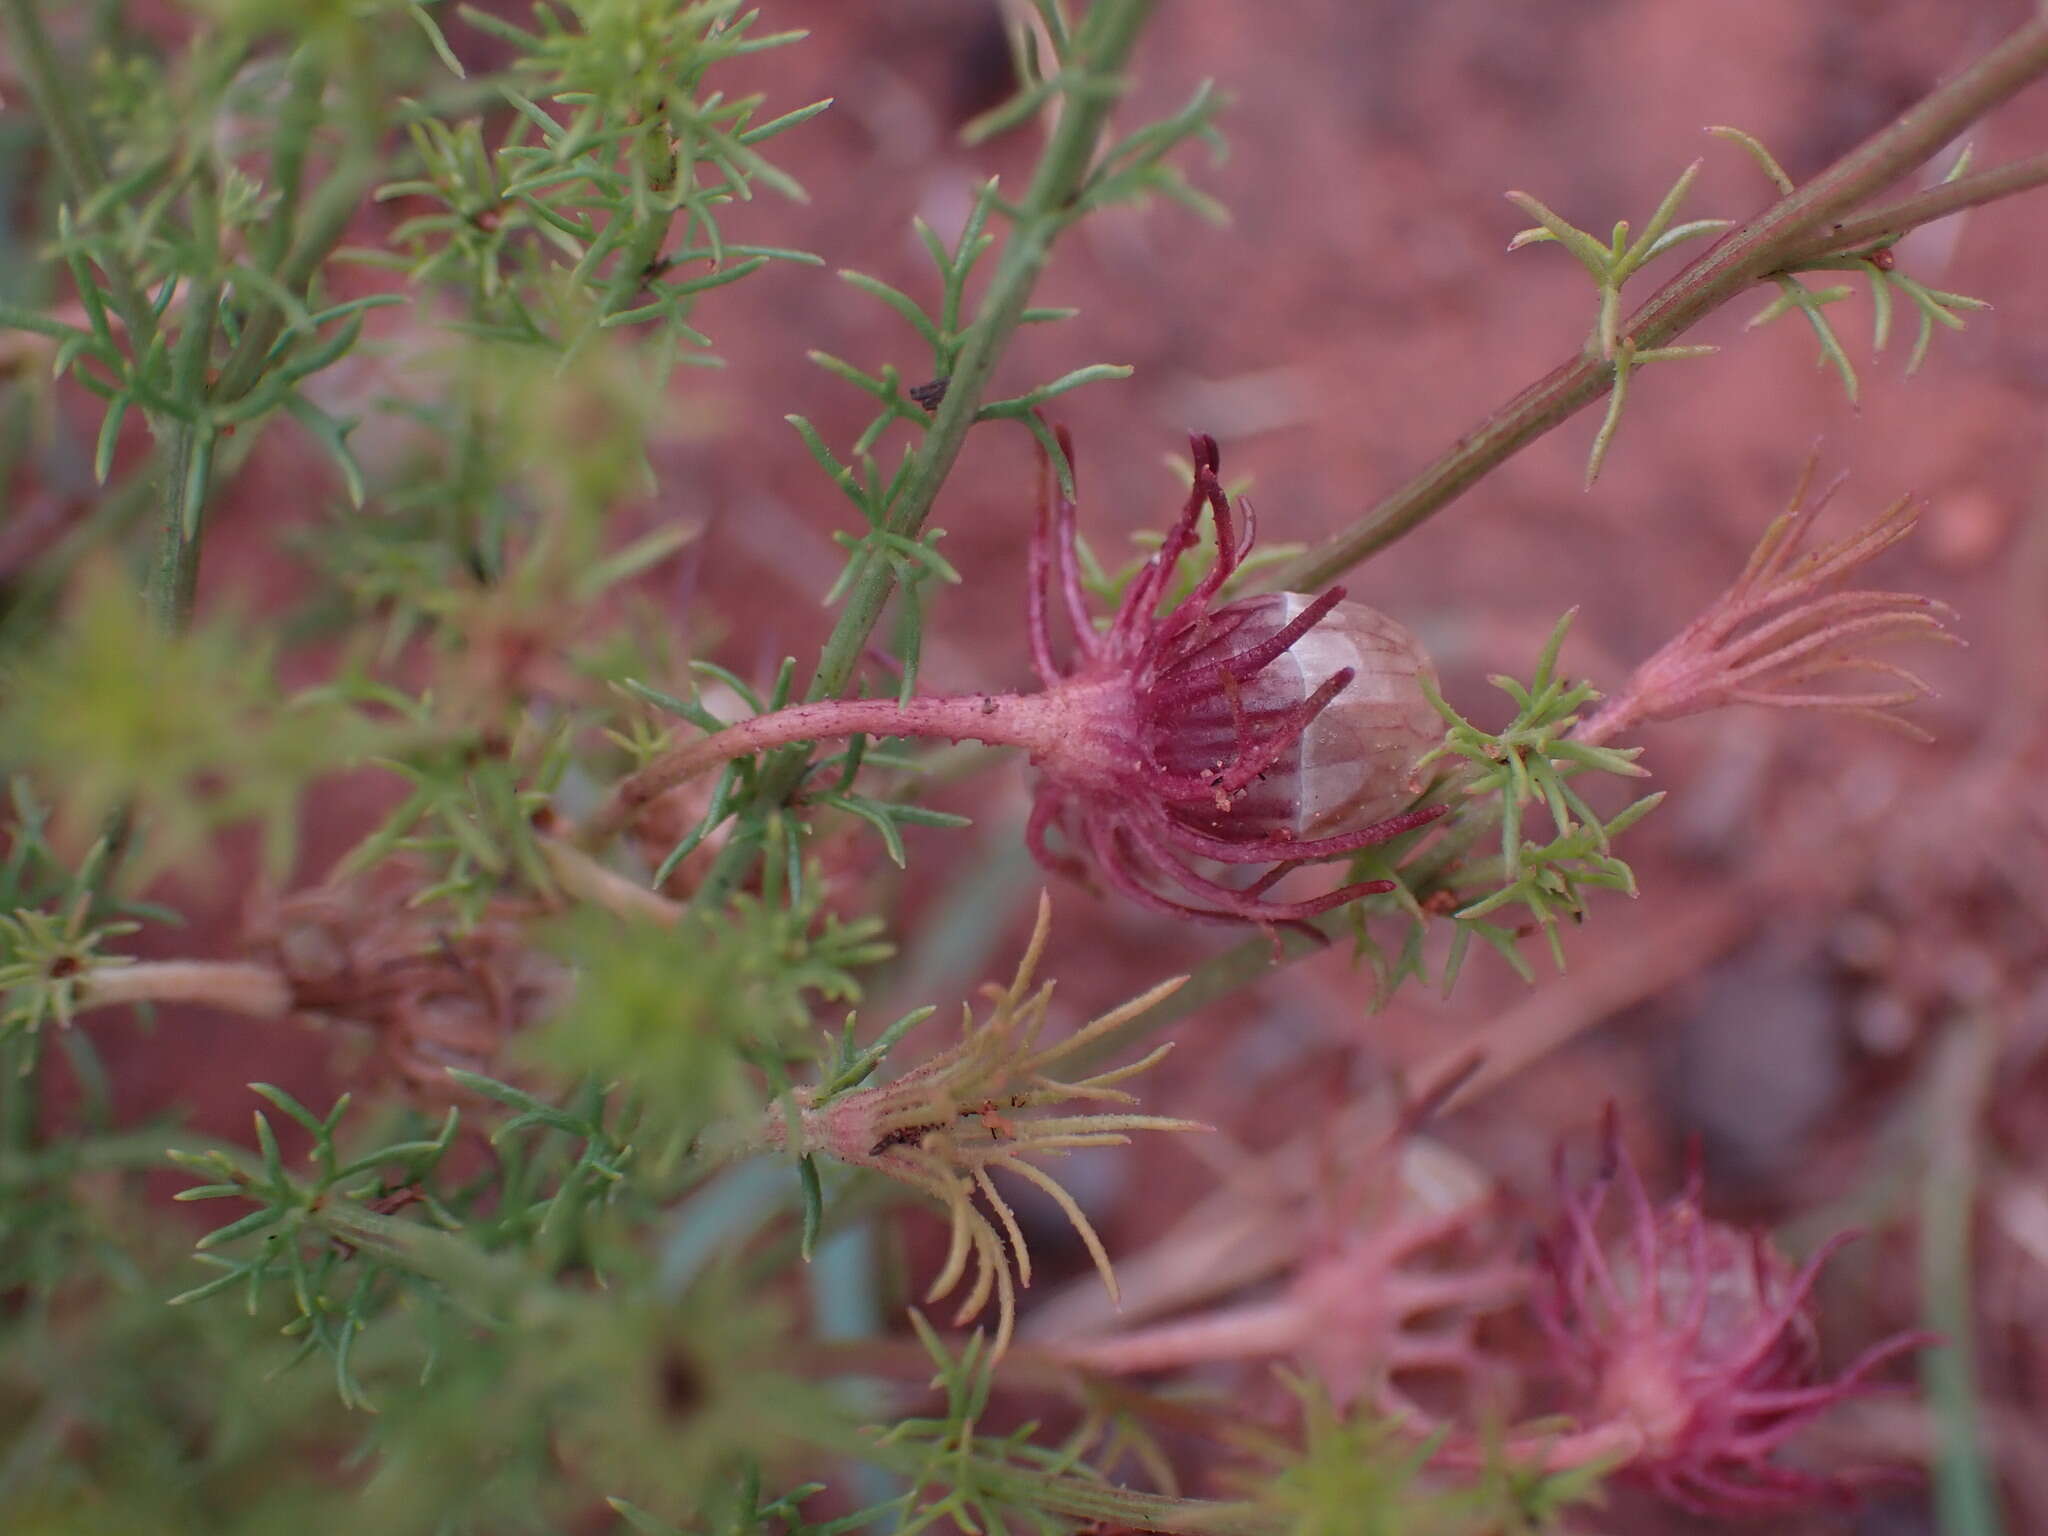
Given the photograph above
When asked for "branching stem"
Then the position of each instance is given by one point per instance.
(58, 100)
(1095, 74)
(1883, 225)
(1780, 236)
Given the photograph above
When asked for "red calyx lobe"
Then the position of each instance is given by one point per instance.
(1187, 730)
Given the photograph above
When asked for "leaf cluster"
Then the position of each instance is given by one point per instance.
(599, 207)
(196, 249)
(296, 1231)
(1497, 777)
(697, 1016)
(1612, 262)
(1876, 263)
(180, 737)
(914, 558)
(54, 924)
(1357, 1474)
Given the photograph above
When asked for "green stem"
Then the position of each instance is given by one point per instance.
(57, 97)
(173, 580)
(1094, 75)
(1881, 226)
(1965, 1490)
(1741, 257)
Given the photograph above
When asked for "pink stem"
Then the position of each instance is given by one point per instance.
(1239, 1333)
(238, 987)
(1036, 721)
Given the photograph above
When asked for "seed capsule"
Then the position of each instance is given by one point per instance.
(1279, 730)
(1353, 764)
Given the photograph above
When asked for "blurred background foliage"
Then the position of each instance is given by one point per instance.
(460, 338)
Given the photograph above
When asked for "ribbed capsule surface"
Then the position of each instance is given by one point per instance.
(1355, 762)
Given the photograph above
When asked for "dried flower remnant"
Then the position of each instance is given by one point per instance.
(978, 1106)
(1277, 730)
(1398, 1293)
(431, 998)
(1779, 630)
(1694, 1346)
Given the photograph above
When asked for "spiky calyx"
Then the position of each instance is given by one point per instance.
(1785, 636)
(990, 1102)
(1278, 730)
(1694, 1346)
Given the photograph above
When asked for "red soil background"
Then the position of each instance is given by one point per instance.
(1825, 908)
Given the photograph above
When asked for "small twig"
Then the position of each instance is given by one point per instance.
(1883, 225)
(1735, 262)
(1103, 46)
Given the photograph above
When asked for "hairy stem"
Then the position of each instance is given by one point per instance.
(1101, 49)
(256, 990)
(1767, 243)
(999, 720)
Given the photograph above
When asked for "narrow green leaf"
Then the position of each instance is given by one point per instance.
(897, 300)
(333, 436)
(1756, 151)
(1591, 254)
(109, 438)
(813, 1204)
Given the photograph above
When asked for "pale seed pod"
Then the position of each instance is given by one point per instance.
(1354, 763)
